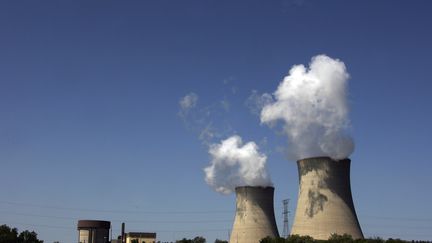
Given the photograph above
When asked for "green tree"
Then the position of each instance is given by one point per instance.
(370, 240)
(390, 240)
(198, 239)
(300, 239)
(334, 238)
(272, 240)
(290, 239)
(8, 235)
(184, 240)
(220, 241)
(28, 237)
(345, 238)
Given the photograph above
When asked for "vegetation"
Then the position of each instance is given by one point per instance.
(335, 238)
(220, 241)
(10, 235)
(197, 239)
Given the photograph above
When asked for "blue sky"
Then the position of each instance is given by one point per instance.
(89, 101)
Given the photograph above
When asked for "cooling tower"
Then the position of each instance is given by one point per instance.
(254, 218)
(325, 204)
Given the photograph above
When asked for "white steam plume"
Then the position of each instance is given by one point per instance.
(209, 121)
(256, 102)
(312, 103)
(188, 102)
(234, 164)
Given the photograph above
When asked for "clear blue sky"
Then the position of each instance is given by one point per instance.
(89, 100)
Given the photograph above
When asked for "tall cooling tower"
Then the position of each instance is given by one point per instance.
(254, 217)
(325, 204)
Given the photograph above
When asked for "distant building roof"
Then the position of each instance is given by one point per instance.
(82, 224)
(141, 234)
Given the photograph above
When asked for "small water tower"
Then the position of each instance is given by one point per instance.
(93, 231)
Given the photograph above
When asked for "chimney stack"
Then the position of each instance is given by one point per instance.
(123, 239)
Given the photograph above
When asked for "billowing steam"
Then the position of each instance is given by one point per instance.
(312, 103)
(234, 164)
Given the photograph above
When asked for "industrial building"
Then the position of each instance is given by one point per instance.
(93, 231)
(325, 205)
(140, 237)
(97, 231)
(254, 217)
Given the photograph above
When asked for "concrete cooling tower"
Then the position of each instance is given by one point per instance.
(325, 204)
(254, 218)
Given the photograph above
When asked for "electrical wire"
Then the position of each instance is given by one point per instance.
(115, 211)
(119, 220)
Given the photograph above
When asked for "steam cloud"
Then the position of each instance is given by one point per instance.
(188, 102)
(256, 102)
(312, 103)
(207, 121)
(234, 164)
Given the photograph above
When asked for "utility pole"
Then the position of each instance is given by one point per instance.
(285, 218)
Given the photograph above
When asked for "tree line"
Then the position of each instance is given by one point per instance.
(10, 235)
(199, 239)
(335, 238)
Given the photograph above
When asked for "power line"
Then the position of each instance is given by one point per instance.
(199, 230)
(164, 230)
(121, 220)
(43, 225)
(396, 218)
(418, 227)
(116, 211)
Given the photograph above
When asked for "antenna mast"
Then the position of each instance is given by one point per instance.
(285, 213)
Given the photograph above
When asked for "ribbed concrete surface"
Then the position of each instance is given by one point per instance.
(254, 217)
(325, 204)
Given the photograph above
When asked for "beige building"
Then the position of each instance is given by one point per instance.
(140, 237)
(325, 205)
